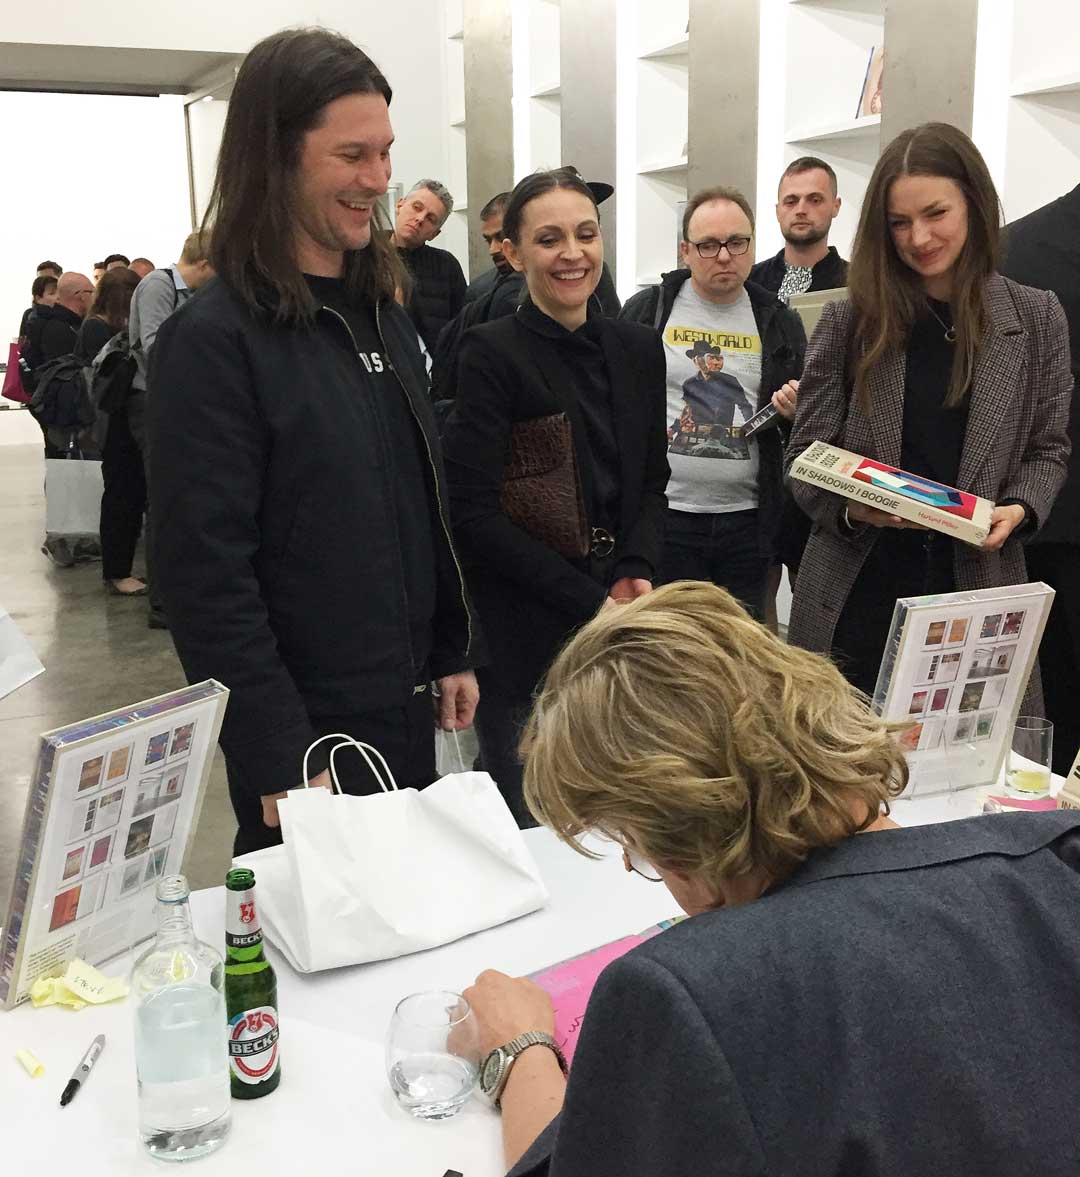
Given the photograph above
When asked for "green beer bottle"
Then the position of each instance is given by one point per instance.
(250, 994)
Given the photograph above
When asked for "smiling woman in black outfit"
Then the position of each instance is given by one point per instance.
(553, 356)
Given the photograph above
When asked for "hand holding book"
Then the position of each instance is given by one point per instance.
(1003, 522)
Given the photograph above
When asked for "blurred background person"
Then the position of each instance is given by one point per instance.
(437, 289)
(141, 266)
(42, 294)
(156, 297)
(123, 499)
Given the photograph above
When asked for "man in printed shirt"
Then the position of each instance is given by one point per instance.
(731, 349)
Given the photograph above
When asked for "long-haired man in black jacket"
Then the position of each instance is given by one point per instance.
(300, 516)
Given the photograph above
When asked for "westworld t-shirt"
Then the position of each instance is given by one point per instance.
(713, 380)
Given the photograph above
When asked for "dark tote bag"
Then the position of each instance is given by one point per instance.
(541, 487)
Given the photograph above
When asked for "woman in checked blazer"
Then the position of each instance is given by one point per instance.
(942, 367)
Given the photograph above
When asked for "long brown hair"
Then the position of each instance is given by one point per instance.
(887, 295)
(112, 298)
(282, 87)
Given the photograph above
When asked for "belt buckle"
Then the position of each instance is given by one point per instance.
(603, 542)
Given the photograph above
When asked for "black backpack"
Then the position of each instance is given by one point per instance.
(61, 399)
(113, 372)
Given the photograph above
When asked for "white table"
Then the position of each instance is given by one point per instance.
(333, 1113)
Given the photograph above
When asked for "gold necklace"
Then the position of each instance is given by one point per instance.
(950, 330)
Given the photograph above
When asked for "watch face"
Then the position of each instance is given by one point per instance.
(491, 1071)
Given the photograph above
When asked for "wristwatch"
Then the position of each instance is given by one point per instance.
(495, 1069)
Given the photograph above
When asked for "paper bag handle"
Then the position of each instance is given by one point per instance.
(387, 785)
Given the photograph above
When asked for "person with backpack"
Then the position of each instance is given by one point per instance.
(123, 499)
(50, 336)
(155, 299)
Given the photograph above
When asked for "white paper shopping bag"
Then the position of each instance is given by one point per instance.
(370, 878)
(72, 496)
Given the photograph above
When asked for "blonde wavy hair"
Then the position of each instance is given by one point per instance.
(685, 730)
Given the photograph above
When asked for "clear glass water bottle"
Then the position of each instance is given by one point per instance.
(178, 985)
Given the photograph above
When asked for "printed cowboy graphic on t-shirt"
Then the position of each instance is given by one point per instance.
(706, 427)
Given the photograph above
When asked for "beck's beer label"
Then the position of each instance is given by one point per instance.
(253, 1044)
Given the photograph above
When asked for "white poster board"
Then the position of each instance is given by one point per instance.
(112, 804)
(955, 668)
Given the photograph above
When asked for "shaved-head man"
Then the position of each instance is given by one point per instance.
(75, 292)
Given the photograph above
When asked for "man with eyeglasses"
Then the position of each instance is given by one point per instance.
(732, 349)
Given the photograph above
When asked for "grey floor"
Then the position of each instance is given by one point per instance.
(97, 651)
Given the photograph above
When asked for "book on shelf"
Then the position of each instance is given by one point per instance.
(964, 516)
(870, 94)
(954, 672)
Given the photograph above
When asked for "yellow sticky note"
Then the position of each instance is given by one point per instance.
(85, 982)
(30, 1064)
(53, 991)
(81, 985)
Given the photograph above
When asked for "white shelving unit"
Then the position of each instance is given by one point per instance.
(455, 233)
(545, 97)
(537, 86)
(661, 85)
(1042, 146)
(826, 45)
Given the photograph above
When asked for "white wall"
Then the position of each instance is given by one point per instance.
(73, 223)
(115, 182)
(404, 37)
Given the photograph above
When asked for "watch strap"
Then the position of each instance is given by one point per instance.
(515, 1047)
(536, 1038)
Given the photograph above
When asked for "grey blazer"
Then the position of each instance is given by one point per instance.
(1016, 445)
(906, 1005)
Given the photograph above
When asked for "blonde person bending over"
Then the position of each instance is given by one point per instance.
(848, 997)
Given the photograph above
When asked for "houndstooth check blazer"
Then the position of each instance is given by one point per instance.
(1016, 445)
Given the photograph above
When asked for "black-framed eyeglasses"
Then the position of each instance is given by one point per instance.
(710, 247)
(637, 864)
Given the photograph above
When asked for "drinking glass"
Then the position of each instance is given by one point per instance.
(433, 1053)
(1030, 757)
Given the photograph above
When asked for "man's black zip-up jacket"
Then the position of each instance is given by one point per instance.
(275, 542)
(783, 346)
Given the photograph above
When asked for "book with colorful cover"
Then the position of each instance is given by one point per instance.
(570, 983)
(921, 500)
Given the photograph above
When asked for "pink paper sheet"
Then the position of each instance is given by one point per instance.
(570, 983)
